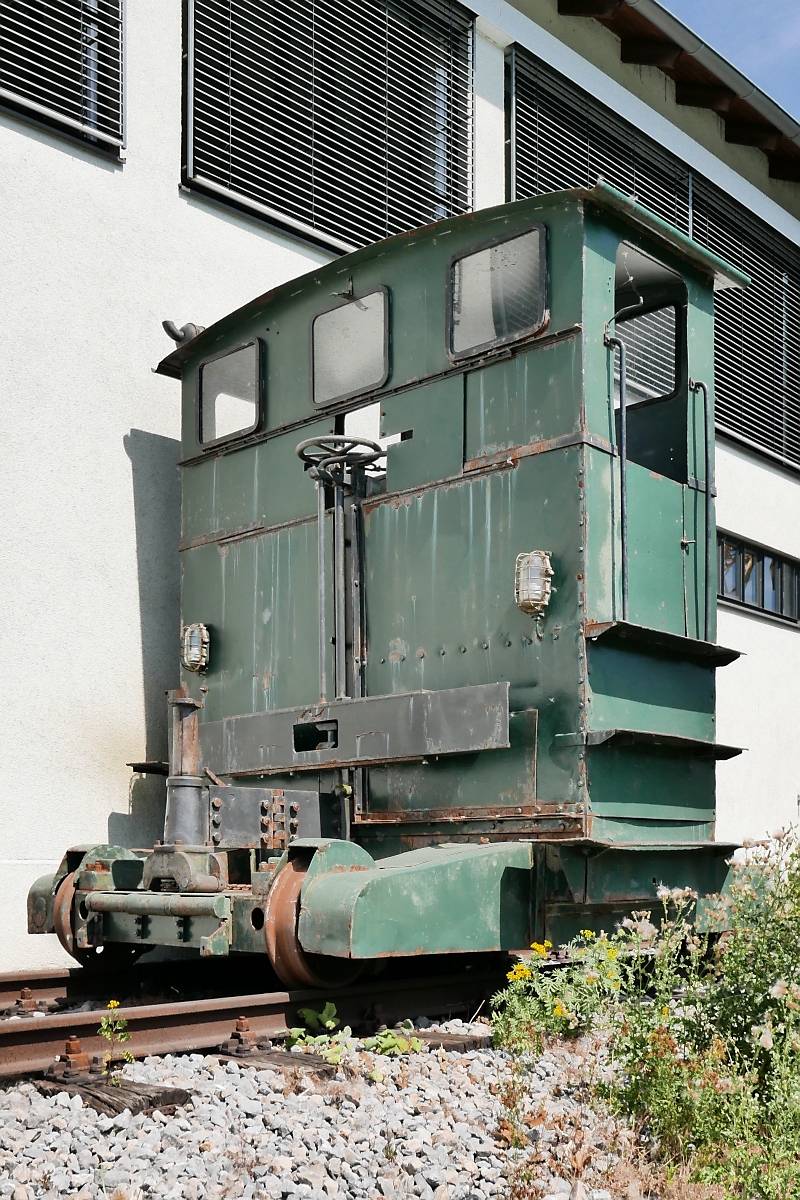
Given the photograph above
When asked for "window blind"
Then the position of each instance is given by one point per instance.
(563, 137)
(61, 60)
(349, 122)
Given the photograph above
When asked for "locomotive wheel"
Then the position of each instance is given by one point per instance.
(113, 957)
(292, 965)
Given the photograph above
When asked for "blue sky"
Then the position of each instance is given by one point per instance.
(761, 38)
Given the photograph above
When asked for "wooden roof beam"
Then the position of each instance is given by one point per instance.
(704, 95)
(747, 133)
(785, 167)
(588, 8)
(650, 52)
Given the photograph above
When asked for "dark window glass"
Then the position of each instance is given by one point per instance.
(757, 578)
(789, 608)
(498, 294)
(229, 394)
(730, 570)
(772, 583)
(750, 576)
(650, 344)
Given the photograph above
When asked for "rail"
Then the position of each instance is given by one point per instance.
(30, 1044)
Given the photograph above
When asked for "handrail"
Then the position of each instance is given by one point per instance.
(617, 344)
(697, 385)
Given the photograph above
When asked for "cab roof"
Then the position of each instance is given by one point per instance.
(602, 196)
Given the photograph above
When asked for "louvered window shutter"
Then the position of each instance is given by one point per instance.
(563, 137)
(61, 61)
(347, 122)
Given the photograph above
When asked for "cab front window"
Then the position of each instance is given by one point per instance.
(229, 394)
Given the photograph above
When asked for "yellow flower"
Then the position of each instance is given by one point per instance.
(665, 1011)
(588, 933)
(113, 1004)
(612, 952)
(541, 948)
(559, 1010)
(548, 945)
(519, 971)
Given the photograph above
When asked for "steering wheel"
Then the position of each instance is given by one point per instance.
(337, 452)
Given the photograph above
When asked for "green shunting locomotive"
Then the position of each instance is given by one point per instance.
(448, 604)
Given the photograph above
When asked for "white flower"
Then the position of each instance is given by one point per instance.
(779, 990)
(766, 1039)
(663, 893)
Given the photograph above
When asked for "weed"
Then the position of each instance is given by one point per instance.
(115, 1030)
(395, 1042)
(704, 1034)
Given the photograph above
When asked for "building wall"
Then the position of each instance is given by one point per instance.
(758, 697)
(95, 255)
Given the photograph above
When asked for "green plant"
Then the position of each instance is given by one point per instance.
(321, 1040)
(704, 1032)
(395, 1042)
(115, 1030)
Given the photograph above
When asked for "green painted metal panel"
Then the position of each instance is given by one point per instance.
(528, 398)
(491, 779)
(635, 782)
(632, 690)
(440, 608)
(655, 555)
(259, 598)
(259, 485)
(435, 901)
(430, 420)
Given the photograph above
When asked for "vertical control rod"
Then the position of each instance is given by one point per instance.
(340, 658)
(616, 343)
(323, 643)
(698, 386)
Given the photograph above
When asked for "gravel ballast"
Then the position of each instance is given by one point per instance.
(433, 1125)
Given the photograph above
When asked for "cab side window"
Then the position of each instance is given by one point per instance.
(229, 394)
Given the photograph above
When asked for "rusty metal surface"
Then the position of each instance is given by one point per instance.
(31, 1046)
(374, 729)
(45, 985)
(511, 456)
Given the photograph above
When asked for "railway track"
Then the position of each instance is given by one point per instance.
(30, 1044)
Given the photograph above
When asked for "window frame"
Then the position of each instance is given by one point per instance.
(497, 343)
(373, 387)
(680, 309)
(260, 390)
(760, 552)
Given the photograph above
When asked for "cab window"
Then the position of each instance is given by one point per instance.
(229, 394)
(498, 294)
(350, 348)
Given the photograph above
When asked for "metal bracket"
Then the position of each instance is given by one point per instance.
(357, 733)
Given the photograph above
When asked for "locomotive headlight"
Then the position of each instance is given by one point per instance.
(194, 647)
(532, 587)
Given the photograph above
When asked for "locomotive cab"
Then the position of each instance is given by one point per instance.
(448, 603)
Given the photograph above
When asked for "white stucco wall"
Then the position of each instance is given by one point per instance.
(94, 256)
(758, 697)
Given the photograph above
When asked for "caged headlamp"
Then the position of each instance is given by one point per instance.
(532, 587)
(194, 647)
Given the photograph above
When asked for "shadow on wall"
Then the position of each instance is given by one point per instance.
(156, 504)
